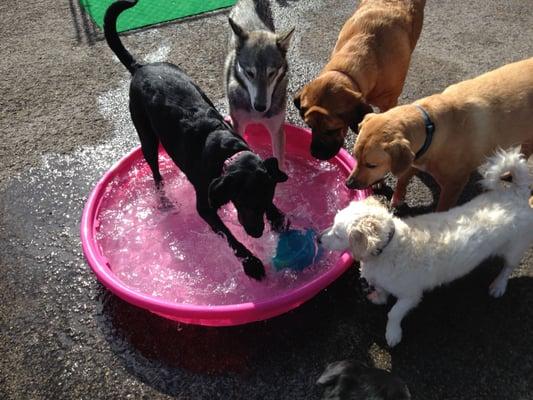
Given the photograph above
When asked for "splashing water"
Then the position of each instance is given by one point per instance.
(174, 255)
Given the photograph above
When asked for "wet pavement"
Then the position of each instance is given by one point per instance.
(64, 121)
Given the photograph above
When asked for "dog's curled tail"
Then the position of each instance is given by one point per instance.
(503, 165)
(111, 35)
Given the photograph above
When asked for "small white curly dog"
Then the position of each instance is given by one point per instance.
(407, 257)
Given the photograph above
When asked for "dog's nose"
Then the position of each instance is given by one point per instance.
(351, 183)
(260, 107)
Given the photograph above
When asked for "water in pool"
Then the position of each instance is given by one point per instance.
(174, 255)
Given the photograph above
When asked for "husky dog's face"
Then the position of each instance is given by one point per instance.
(260, 63)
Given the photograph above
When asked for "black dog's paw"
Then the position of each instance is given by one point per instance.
(253, 267)
(278, 221)
(280, 224)
(164, 203)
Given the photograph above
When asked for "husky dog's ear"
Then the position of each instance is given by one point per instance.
(364, 236)
(284, 39)
(271, 165)
(219, 191)
(296, 99)
(238, 30)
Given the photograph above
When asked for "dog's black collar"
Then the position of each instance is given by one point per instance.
(377, 252)
(430, 129)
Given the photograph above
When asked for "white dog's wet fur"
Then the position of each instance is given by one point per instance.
(407, 257)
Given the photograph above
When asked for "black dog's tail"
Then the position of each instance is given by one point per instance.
(111, 35)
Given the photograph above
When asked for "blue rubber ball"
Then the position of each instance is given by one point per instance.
(296, 250)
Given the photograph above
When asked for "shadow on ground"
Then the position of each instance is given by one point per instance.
(460, 343)
(294, 348)
(453, 347)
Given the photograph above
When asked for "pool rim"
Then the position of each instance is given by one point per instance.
(209, 315)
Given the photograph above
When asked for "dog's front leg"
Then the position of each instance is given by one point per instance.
(393, 333)
(277, 219)
(276, 129)
(253, 267)
(398, 198)
(450, 192)
(237, 127)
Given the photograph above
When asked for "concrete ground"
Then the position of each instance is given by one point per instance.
(64, 122)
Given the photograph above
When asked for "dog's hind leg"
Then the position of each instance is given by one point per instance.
(150, 150)
(149, 142)
(393, 333)
(511, 260)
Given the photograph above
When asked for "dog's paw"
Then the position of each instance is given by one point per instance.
(165, 204)
(377, 297)
(497, 288)
(280, 224)
(393, 335)
(254, 268)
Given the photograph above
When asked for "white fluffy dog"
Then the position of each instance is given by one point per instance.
(407, 257)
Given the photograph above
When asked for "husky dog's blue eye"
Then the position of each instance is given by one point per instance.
(250, 73)
(271, 74)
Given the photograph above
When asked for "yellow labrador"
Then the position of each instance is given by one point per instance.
(449, 134)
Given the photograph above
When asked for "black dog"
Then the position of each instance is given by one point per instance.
(352, 380)
(167, 107)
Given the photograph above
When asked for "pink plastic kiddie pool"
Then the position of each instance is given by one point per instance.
(171, 263)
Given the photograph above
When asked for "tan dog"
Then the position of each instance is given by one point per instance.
(471, 119)
(367, 66)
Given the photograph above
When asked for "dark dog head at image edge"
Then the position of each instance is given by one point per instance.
(352, 380)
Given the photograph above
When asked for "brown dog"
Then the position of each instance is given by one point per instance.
(470, 121)
(367, 66)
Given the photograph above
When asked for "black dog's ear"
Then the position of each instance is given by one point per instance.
(238, 30)
(219, 191)
(271, 165)
(296, 99)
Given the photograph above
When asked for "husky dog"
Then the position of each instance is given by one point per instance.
(256, 71)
